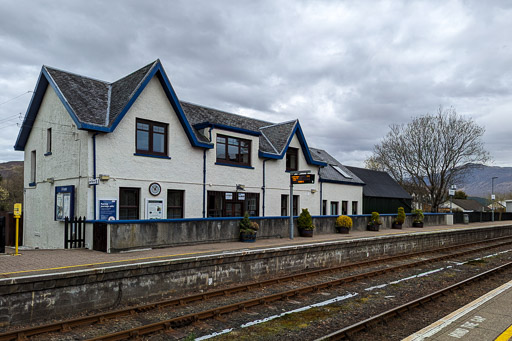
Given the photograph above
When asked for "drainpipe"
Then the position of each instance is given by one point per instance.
(263, 187)
(321, 199)
(204, 183)
(94, 170)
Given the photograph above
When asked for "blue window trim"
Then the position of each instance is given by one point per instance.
(155, 156)
(32, 184)
(49, 153)
(232, 165)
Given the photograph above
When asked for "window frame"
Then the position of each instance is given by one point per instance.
(344, 207)
(336, 206)
(292, 152)
(137, 206)
(226, 145)
(48, 141)
(33, 168)
(354, 207)
(151, 133)
(181, 207)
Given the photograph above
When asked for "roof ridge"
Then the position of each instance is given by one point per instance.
(268, 140)
(143, 78)
(281, 123)
(222, 111)
(290, 137)
(75, 74)
(109, 97)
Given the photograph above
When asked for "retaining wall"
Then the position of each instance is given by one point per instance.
(151, 234)
(42, 297)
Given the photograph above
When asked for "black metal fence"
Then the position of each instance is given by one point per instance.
(2, 234)
(74, 233)
(478, 217)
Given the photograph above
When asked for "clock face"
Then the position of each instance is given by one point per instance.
(154, 188)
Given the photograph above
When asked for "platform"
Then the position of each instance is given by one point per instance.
(32, 262)
(486, 319)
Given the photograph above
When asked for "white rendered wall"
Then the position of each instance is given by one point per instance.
(66, 165)
(340, 193)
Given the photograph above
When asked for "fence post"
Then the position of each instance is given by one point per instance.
(66, 223)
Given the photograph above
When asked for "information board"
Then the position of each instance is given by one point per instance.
(107, 209)
(303, 179)
(154, 208)
(64, 202)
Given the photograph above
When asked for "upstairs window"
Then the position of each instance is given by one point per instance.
(151, 138)
(292, 163)
(233, 150)
(48, 141)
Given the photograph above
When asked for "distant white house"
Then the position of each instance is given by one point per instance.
(131, 150)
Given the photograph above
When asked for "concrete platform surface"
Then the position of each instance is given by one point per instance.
(486, 319)
(32, 262)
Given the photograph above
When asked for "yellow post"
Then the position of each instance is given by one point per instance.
(17, 216)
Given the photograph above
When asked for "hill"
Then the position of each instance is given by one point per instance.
(11, 169)
(477, 182)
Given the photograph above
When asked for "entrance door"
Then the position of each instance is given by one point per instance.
(234, 209)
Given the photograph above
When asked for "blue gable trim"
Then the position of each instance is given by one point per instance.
(226, 127)
(305, 149)
(158, 71)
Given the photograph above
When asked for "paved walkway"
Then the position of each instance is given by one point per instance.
(34, 262)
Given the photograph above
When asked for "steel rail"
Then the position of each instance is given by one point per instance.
(102, 317)
(184, 320)
(346, 332)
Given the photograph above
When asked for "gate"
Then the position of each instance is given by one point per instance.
(74, 233)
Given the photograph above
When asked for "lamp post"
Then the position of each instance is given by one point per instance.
(492, 195)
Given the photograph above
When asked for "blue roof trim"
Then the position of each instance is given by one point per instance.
(226, 127)
(341, 182)
(305, 149)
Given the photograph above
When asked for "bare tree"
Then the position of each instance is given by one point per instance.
(430, 153)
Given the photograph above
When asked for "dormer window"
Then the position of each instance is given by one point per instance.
(233, 150)
(292, 156)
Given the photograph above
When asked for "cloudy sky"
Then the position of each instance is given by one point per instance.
(346, 69)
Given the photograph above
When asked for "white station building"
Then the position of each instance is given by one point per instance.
(131, 150)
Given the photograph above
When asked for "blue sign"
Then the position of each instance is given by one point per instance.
(108, 209)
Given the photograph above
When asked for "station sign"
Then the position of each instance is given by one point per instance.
(94, 181)
(303, 179)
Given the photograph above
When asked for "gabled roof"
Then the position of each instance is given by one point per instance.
(379, 184)
(329, 173)
(97, 105)
(469, 205)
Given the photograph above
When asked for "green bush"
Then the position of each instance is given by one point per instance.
(418, 216)
(375, 219)
(400, 217)
(247, 226)
(344, 221)
(305, 221)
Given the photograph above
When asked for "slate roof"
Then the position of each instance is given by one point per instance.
(379, 184)
(99, 106)
(329, 174)
(469, 204)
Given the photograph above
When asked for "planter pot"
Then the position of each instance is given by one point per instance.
(342, 229)
(305, 233)
(372, 227)
(247, 237)
(417, 224)
(396, 226)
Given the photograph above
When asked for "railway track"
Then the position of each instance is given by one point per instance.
(347, 333)
(219, 311)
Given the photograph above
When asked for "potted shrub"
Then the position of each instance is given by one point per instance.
(418, 218)
(248, 229)
(343, 224)
(305, 224)
(399, 220)
(374, 223)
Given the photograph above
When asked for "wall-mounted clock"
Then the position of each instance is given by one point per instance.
(155, 189)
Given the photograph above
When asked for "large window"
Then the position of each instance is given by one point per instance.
(233, 150)
(232, 204)
(292, 163)
(324, 207)
(285, 205)
(334, 207)
(128, 203)
(151, 138)
(174, 204)
(354, 207)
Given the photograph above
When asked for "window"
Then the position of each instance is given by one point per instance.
(284, 205)
(151, 138)
(232, 204)
(324, 207)
(128, 203)
(344, 207)
(292, 163)
(296, 199)
(334, 207)
(33, 168)
(174, 204)
(48, 141)
(354, 207)
(341, 171)
(232, 150)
